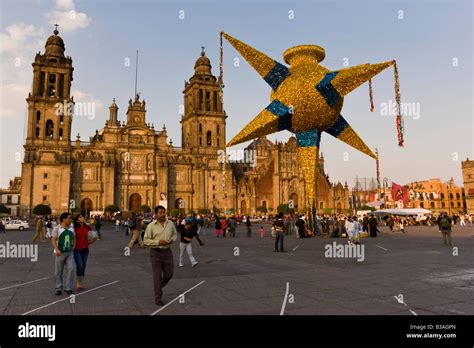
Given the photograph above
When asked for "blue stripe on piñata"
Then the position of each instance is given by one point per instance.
(277, 75)
(327, 90)
(308, 138)
(337, 128)
(279, 109)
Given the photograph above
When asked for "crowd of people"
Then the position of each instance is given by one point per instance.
(71, 238)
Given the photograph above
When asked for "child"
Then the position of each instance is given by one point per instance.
(261, 232)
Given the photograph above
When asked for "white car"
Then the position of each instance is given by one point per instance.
(16, 225)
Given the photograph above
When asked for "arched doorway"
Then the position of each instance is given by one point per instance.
(86, 206)
(243, 207)
(134, 202)
(294, 198)
(339, 207)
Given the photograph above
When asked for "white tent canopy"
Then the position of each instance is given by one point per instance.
(405, 212)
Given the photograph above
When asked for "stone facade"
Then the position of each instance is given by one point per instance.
(10, 197)
(467, 167)
(437, 196)
(130, 164)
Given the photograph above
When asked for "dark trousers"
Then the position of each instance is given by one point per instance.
(249, 231)
(80, 256)
(162, 265)
(279, 241)
(199, 239)
(232, 232)
(373, 231)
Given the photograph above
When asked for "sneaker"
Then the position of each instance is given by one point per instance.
(180, 265)
(69, 292)
(58, 292)
(159, 302)
(195, 264)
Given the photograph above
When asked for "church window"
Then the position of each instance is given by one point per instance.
(209, 138)
(51, 91)
(61, 85)
(200, 141)
(52, 78)
(49, 129)
(458, 196)
(208, 101)
(218, 142)
(218, 130)
(200, 99)
(200, 128)
(215, 100)
(37, 133)
(38, 116)
(61, 119)
(41, 83)
(45, 198)
(45, 175)
(45, 187)
(60, 134)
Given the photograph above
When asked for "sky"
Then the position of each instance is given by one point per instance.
(431, 41)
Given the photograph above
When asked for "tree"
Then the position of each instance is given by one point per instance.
(285, 209)
(367, 207)
(144, 209)
(282, 208)
(3, 209)
(112, 208)
(42, 209)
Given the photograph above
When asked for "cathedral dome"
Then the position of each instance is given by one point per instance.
(54, 45)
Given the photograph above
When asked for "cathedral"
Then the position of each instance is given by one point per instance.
(130, 164)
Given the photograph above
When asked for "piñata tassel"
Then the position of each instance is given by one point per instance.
(371, 93)
(400, 128)
(221, 63)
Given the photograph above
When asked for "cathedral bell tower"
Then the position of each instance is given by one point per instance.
(203, 122)
(50, 104)
(46, 168)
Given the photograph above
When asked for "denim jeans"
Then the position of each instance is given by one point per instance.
(64, 263)
(279, 241)
(189, 250)
(80, 256)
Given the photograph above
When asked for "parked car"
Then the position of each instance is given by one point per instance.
(16, 225)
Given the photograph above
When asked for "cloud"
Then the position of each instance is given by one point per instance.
(19, 43)
(65, 15)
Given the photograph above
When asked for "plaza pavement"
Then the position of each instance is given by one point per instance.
(415, 265)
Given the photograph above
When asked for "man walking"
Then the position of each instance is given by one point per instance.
(187, 233)
(136, 226)
(39, 230)
(444, 223)
(301, 226)
(279, 226)
(63, 240)
(159, 235)
(372, 223)
(232, 226)
(249, 228)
